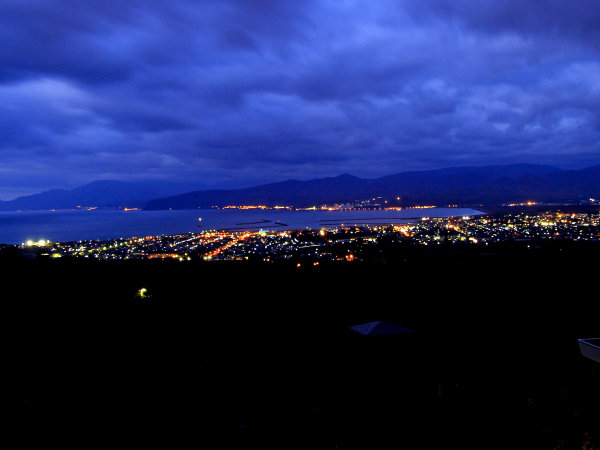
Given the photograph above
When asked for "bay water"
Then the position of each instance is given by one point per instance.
(68, 225)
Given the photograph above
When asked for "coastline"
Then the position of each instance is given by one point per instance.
(72, 225)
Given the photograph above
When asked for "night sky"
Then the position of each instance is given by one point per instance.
(253, 91)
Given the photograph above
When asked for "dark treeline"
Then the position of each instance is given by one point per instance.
(260, 356)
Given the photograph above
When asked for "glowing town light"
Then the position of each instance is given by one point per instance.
(142, 293)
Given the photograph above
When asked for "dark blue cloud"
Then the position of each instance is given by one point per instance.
(563, 19)
(259, 91)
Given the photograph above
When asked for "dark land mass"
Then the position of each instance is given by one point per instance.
(489, 185)
(236, 355)
(101, 194)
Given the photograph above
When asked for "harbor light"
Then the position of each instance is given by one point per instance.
(40, 243)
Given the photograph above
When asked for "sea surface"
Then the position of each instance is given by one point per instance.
(63, 226)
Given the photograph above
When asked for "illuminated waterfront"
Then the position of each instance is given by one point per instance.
(345, 243)
(61, 226)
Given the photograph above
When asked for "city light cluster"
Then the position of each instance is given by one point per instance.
(339, 243)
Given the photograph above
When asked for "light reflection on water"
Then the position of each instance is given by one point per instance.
(61, 226)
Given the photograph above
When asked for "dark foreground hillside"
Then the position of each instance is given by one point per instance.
(260, 356)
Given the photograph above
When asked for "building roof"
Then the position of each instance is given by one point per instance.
(590, 348)
(379, 327)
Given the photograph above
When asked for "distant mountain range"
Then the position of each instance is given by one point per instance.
(460, 185)
(489, 185)
(102, 194)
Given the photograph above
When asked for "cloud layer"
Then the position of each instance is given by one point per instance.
(264, 90)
